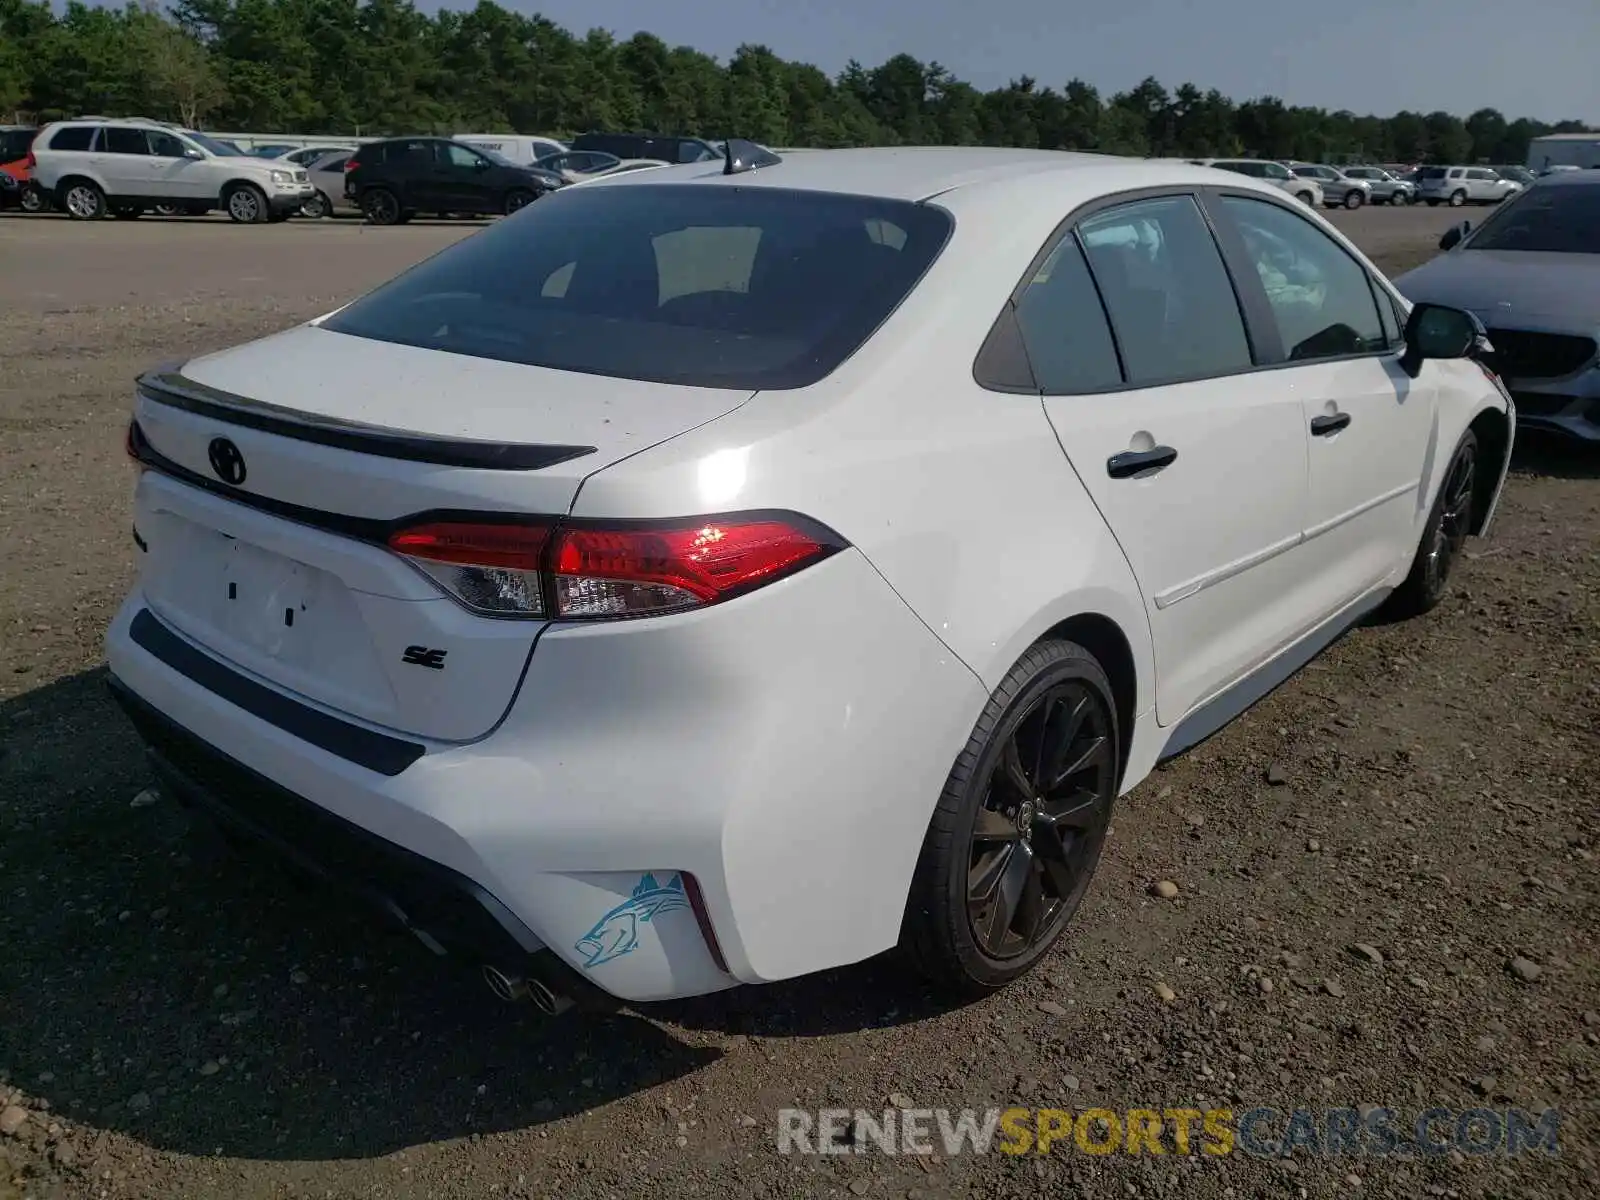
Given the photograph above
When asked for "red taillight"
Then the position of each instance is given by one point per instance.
(350, 164)
(490, 568)
(587, 571)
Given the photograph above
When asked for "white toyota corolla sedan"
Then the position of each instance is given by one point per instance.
(725, 572)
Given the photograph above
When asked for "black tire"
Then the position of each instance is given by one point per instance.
(1306, 198)
(958, 939)
(1433, 204)
(1442, 536)
(1400, 199)
(246, 204)
(1354, 198)
(127, 212)
(1457, 198)
(169, 210)
(83, 200)
(34, 199)
(382, 207)
(518, 199)
(317, 207)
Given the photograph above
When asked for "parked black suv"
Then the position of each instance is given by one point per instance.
(663, 146)
(393, 180)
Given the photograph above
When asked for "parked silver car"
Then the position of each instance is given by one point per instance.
(1307, 191)
(1531, 274)
(1456, 186)
(1338, 188)
(1387, 187)
(327, 177)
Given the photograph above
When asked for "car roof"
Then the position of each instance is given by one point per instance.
(917, 173)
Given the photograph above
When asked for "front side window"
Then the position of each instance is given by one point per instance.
(73, 137)
(119, 139)
(742, 288)
(1321, 298)
(1479, 173)
(1277, 171)
(212, 146)
(1172, 305)
(1064, 326)
(164, 145)
(457, 155)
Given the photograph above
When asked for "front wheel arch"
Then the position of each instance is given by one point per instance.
(1493, 430)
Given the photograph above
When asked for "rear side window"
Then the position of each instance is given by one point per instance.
(1432, 173)
(743, 288)
(1064, 326)
(336, 163)
(73, 137)
(1171, 303)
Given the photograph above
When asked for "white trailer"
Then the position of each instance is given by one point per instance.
(1564, 150)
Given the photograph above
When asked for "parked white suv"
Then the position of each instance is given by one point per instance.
(95, 166)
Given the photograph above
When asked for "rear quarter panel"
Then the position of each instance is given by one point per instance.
(961, 498)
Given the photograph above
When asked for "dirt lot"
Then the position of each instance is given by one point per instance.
(171, 1027)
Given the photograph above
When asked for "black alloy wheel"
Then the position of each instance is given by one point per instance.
(1019, 827)
(1038, 829)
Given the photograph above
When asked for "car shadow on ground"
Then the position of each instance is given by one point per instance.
(198, 1002)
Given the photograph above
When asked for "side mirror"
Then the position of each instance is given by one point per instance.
(1436, 331)
(1452, 236)
(191, 152)
(483, 164)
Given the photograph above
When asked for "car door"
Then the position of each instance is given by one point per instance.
(1367, 424)
(174, 175)
(467, 180)
(1195, 462)
(124, 158)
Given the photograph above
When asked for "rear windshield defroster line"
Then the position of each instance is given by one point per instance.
(174, 391)
(700, 284)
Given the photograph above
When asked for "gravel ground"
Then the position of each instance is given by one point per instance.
(176, 1025)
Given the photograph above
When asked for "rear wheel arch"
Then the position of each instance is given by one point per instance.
(1104, 639)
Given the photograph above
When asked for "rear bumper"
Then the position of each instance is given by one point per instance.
(765, 768)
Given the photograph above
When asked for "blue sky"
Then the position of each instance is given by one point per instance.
(1536, 58)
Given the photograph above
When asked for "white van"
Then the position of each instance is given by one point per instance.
(520, 149)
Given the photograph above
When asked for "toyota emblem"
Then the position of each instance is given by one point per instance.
(226, 461)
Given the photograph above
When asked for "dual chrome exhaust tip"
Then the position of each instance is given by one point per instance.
(514, 989)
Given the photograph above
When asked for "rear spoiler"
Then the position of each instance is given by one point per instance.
(167, 386)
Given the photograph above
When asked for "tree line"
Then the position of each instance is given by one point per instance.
(374, 67)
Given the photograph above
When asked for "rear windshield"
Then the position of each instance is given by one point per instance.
(1553, 218)
(14, 144)
(706, 285)
(1433, 172)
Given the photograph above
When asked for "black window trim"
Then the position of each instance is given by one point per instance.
(1003, 342)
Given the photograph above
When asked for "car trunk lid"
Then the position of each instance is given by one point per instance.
(282, 466)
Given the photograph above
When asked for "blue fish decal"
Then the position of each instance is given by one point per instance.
(617, 933)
